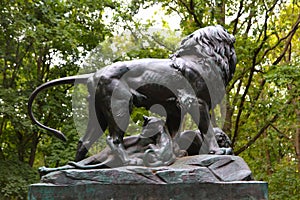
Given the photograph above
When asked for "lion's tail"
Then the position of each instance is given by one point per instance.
(80, 79)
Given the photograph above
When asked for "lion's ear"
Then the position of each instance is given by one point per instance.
(146, 119)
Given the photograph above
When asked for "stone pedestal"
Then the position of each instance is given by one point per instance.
(195, 177)
(238, 190)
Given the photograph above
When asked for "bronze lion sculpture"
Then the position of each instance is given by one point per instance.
(192, 80)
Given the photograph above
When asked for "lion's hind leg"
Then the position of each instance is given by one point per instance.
(96, 126)
(201, 116)
(114, 101)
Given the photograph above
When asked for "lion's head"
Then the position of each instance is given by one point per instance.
(212, 42)
(152, 126)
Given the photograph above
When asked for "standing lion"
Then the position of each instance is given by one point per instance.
(192, 80)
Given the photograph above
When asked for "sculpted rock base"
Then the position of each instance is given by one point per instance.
(194, 177)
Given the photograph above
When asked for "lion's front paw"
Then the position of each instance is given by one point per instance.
(134, 162)
(222, 151)
(43, 170)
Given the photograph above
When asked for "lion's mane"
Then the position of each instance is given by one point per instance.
(214, 43)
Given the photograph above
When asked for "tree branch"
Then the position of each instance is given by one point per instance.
(260, 132)
(175, 10)
(241, 75)
(280, 133)
(239, 14)
(191, 11)
(290, 37)
(252, 70)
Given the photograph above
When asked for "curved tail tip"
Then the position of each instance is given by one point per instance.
(60, 136)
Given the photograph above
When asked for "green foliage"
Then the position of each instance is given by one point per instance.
(40, 41)
(15, 176)
(285, 182)
(45, 40)
(53, 152)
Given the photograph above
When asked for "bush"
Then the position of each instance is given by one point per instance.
(284, 183)
(15, 177)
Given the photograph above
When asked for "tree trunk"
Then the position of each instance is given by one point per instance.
(1, 155)
(220, 11)
(268, 157)
(35, 141)
(20, 144)
(298, 149)
(228, 121)
(297, 138)
(297, 125)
